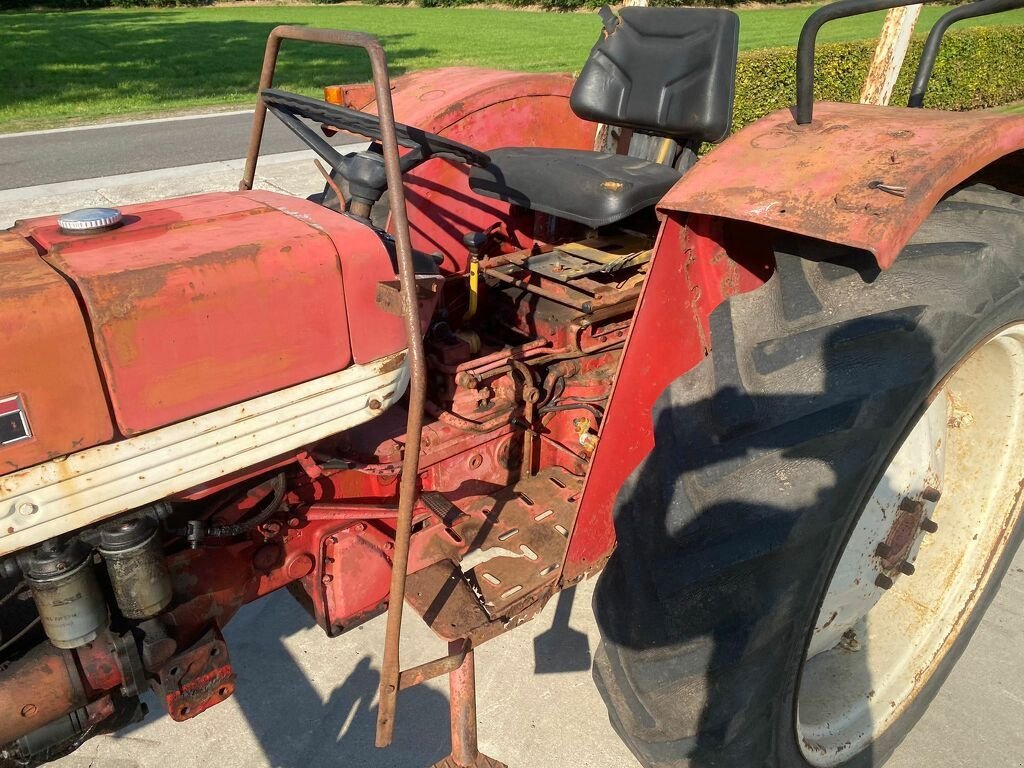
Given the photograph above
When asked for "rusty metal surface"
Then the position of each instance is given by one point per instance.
(36, 689)
(364, 262)
(431, 669)
(694, 268)
(525, 535)
(521, 534)
(196, 679)
(391, 668)
(205, 301)
(48, 361)
(859, 175)
(352, 575)
(443, 597)
(462, 690)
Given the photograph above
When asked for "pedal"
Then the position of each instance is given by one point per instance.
(441, 508)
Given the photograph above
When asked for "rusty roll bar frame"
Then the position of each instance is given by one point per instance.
(804, 112)
(391, 668)
(932, 45)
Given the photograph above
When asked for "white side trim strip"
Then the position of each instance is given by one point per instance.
(82, 488)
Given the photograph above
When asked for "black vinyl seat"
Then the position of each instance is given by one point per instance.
(666, 72)
(589, 188)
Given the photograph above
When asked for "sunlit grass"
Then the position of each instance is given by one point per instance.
(61, 67)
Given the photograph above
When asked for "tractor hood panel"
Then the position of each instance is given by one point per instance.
(51, 397)
(201, 302)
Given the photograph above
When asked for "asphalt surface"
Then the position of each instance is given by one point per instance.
(46, 157)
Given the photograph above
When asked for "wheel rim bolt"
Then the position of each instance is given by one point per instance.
(883, 582)
(907, 568)
(912, 506)
(929, 526)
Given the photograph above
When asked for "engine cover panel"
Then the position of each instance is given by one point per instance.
(51, 398)
(205, 301)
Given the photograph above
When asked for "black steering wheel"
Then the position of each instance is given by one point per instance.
(364, 171)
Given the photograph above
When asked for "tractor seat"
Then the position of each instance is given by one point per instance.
(663, 72)
(590, 188)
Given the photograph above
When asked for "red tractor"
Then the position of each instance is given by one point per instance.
(775, 393)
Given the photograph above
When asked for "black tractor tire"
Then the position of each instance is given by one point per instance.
(765, 454)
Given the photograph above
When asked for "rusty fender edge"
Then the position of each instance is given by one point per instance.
(858, 175)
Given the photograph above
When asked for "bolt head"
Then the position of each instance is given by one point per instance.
(883, 582)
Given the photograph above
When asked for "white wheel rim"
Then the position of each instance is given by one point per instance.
(874, 649)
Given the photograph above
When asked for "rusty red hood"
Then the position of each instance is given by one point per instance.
(191, 305)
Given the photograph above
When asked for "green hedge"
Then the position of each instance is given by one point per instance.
(977, 67)
(564, 5)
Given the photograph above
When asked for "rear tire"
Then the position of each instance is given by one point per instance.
(765, 456)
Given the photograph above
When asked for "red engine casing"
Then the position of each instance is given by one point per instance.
(191, 305)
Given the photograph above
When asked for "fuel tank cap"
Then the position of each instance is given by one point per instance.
(89, 220)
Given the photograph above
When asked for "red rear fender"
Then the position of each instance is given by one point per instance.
(859, 175)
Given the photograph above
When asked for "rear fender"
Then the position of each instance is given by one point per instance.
(859, 175)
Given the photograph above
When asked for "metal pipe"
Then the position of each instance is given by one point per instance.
(468, 425)
(808, 36)
(497, 357)
(391, 666)
(583, 306)
(432, 669)
(259, 116)
(462, 688)
(390, 669)
(931, 46)
(37, 689)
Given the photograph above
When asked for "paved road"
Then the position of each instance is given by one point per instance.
(45, 157)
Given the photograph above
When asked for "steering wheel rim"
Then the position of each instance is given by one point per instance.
(288, 107)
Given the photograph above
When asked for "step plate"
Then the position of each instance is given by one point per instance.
(525, 537)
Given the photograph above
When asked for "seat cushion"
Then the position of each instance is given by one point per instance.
(590, 188)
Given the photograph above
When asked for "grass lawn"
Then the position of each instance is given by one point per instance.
(63, 67)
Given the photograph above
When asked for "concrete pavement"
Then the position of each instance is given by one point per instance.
(304, 700)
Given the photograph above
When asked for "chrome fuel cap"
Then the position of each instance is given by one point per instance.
(89, 220)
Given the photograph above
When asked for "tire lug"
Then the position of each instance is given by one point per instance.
(907, 568)
(883, 550)
(883, 582)
(929, 526)
(931, 494)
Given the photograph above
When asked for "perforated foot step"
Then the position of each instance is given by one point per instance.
(521, 536)
(530, 525)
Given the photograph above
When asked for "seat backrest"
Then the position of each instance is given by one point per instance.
(663, 71)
